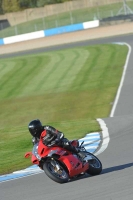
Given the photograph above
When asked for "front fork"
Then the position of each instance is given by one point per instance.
(55, 164)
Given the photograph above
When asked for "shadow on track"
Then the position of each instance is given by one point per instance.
(104, 171)
(116, 168)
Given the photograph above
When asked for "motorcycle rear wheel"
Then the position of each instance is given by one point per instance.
(95, 166)
(57, 175)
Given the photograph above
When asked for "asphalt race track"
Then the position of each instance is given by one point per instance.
(116, 180)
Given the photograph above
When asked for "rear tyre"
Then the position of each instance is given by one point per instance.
(95, 165)
(55, 171)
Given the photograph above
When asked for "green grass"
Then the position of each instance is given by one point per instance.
(66, 18)
(67, 89)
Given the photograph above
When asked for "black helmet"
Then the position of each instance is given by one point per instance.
(35, 128)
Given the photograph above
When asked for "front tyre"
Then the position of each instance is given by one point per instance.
(55, 171)
(95, 166)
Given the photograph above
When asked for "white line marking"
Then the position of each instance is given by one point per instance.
(92, 137)
(122, 79)
(90, 141)
(91, 147)
(105, 135)
(103, 126)
(37, 169)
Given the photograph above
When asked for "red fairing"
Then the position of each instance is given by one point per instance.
(72, 162)
(74, 165)
(34, 160)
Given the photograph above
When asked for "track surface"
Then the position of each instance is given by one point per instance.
(116, 180)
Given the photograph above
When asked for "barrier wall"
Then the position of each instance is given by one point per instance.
(49, 32)
(23, 37)
(1, 42)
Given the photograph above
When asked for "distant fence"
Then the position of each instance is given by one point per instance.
(55, 9)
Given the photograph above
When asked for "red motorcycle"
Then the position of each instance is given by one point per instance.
(62, 165)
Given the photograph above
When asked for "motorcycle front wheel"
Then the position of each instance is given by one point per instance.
(55, 171)
(95, 165)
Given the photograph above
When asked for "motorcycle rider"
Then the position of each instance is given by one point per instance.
(50, 137)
